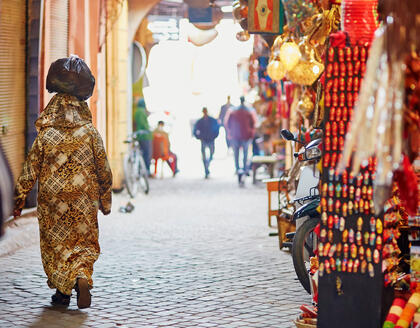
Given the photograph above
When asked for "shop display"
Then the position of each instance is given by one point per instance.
(394, 220)
(387, 104)
(336, 68)
(359, 20)
(376, 127)
(351, 235)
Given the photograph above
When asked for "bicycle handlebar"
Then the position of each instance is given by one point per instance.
(139, 133)
(133, 136)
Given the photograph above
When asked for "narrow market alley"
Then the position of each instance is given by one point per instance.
(193, 253)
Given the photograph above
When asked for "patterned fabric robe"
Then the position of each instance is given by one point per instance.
(69, 160)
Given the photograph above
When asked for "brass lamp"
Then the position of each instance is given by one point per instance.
(275, 69)
(289, 55)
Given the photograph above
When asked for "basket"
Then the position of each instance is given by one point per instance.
(300, 324)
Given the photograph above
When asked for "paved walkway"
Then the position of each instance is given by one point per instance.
(194, 253)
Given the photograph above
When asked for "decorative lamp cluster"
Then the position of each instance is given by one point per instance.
(276, 69)
(290, 55)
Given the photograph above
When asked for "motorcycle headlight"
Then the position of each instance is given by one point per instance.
(313, 153)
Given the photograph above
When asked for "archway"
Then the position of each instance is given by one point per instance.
(183, 78)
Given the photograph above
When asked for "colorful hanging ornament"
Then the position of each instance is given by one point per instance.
(342, 224)
(330, 236)
(339, 249)
(394, 312)
(366, 237)
(371, 270)
(276, 69)
(353, 250)
(332, 264)
(359, 223)
(265, 16)
(351, 207)
(332, 250)
(361, 252)
(290, 55)
(344, 265)
(345, 251)
(368, 254)
(363, 267)
(350, 265)
(336, 222)
(308, 69)
(356, 266)
(338, 264)
(377, 126)
(345, 236)
(358, 238)
(324, 218)
(408, 313)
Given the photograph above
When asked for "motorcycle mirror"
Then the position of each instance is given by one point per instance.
(286, 134)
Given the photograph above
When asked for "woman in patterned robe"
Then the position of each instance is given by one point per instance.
(69, 161)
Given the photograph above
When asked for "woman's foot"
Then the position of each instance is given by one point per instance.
(83, 294)
(60, 299)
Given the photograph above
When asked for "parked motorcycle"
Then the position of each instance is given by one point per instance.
(306, 216)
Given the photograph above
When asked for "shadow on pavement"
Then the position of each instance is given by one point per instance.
(60, 317)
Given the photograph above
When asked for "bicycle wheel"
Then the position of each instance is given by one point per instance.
(143, 176)
(131, 174)
(304, 243)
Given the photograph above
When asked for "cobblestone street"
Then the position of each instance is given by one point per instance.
(193, 253)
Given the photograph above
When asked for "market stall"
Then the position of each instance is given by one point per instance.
(352, 69)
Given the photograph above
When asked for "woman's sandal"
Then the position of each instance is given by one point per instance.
(60, 299)
(83, 294)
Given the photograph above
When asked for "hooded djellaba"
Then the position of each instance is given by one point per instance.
(69, 161)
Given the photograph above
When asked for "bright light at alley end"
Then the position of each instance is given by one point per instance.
(227, 9)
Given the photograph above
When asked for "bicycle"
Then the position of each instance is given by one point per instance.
(135, 171)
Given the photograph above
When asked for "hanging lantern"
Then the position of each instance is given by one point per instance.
(308, 69)
(290, 55)
(275, 69)
(360, 20)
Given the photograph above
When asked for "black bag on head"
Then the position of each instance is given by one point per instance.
(72, 76)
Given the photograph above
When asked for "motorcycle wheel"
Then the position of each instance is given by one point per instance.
(303, 249)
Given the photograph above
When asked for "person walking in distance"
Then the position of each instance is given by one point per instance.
(223, 114)
(74, 178)
(206, 130)
(241, 128)
(145, 136)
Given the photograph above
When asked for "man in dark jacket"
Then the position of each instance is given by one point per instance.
(241, 127)
(206, 130)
